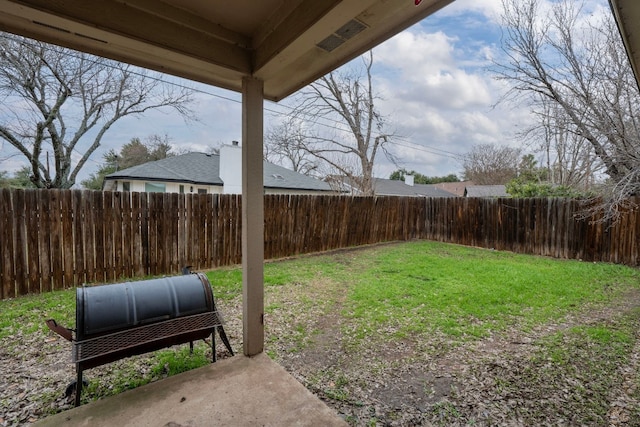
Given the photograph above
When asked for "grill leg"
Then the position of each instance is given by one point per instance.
(191, 346)
(224, 338)
(213, 345)
(78, 386)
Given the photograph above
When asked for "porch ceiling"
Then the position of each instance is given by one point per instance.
(286, 43)
(627, 14)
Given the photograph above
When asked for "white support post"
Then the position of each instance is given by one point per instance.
(252, 216)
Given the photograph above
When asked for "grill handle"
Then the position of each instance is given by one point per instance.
(65, 333)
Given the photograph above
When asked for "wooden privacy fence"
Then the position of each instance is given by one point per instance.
(55, 239)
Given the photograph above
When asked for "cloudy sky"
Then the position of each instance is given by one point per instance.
(438, 93)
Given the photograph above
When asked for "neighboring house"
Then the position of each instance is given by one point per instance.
(391, 187)
(208, 173)
(456, 188)
(486, 191)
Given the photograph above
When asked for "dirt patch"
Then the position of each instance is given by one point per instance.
(504, 379)
(415, 388)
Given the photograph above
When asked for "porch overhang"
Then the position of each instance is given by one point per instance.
(627, 15)
(285, 43)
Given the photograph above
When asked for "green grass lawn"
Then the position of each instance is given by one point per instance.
(421, 287)
(466, 291)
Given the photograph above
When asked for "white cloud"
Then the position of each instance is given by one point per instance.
(408, 50)
(437, 95)
(490, 9)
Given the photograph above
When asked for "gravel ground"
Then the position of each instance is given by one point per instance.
(505, 379)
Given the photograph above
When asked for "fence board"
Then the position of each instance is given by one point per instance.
(20, 243)
(214, 235)
(32, 252)
(163, 230)
(169, 222)
(97, 210)
(44, 247)
(195, 235)
(78, 237)
(202, 230)
(236, 214)
(107, 222)
(7, 252)
(155, 210)
(138, 224)
(221, 239)
(174, 218)
(66, 217)
(89, 236)
(189, 230)
(117, 222)
(181, 237)
(127, 220)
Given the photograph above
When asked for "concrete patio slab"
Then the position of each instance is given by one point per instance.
(239, 391)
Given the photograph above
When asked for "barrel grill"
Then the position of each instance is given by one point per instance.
(125, 319)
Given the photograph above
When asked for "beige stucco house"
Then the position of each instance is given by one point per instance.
(209, 174)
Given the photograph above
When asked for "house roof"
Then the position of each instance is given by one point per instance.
(193, 168)
(278, 177)
(456, 188)
(390, 187)
(287, 44)
(204, 169)
(486, 191)
(627, 15)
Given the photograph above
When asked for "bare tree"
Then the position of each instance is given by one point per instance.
(159, 146)
(489, 164)
(53, 99)
(348, 99)
(584, 71)
(285, 145)
(569, 158)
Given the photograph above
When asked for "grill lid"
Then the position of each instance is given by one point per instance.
(109, 308)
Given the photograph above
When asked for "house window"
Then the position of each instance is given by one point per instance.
(202, 191)
(154, 187)
(181, 190)
(126, 186)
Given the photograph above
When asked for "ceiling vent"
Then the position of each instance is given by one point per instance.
(62, 30)
(343, 34)
(53, 27)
